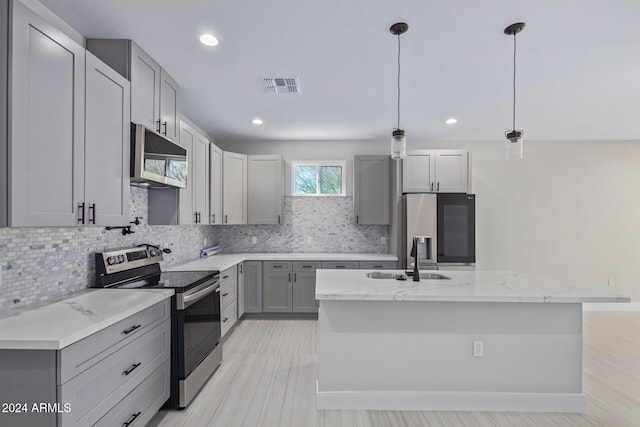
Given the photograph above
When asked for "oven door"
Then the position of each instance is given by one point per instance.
(198, 325)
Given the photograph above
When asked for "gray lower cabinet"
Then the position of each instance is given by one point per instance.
(228, 298)
(304, 287)
(118, 375)
(378, 265)
(277, 287)
(252, 287)
(347, 265)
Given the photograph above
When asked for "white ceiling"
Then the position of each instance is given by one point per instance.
(578, 65)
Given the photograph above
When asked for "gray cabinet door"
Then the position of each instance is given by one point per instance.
(277, 287)
(107, 123)
(252, 287)
(371, 189)
(451, 172)
(234, 193)
(169, 123)
(215, 184)
(240, 290)
(47, 123)
(265, 189)
(418, 172)
(145, 89)
(200, 179)
(304, 287)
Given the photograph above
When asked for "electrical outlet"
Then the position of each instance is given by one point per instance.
(478, 348)
(254, 240)
(610, 282)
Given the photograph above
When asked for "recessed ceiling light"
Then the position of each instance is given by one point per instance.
(257, 121)
(209, 40)
(451, 121)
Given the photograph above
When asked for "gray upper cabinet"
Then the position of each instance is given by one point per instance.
(46, 177)
(106, 144)
(234, 192)
(371, 189)
(265, 189)
(154, 94)
(215, 184)
(194, 200)
(4, 52)
(433, 171)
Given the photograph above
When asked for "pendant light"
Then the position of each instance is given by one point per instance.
(398, 138)
(514, 142)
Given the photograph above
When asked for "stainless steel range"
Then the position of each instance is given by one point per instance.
(196, 348)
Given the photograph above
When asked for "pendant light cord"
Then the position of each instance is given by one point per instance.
(514, 81)
(398, 82)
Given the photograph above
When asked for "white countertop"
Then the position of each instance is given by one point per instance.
(224, 261)
(463, 286)
(57, 325)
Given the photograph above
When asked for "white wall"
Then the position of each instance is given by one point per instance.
(569, 210)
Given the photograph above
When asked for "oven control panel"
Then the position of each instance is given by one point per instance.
(127, 259)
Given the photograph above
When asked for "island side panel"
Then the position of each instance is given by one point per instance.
(420, 346)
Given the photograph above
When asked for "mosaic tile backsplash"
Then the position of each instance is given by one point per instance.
(44, 264)
(310, 224)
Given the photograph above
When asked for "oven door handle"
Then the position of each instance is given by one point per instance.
(196, 296)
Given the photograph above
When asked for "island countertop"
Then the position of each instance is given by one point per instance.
(57, 325)
(462, 286)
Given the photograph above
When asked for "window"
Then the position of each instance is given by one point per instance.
(318, 178)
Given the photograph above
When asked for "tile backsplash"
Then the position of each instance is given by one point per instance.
(309, 224)
(43, 264)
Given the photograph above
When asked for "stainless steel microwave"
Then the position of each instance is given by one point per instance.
(156, 162)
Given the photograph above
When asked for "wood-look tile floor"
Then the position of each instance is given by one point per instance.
(269, 372)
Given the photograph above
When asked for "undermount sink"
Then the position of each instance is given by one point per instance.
(400, 276)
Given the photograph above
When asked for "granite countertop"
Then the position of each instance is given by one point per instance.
(224, 261)
(463, 286)
(57, 325)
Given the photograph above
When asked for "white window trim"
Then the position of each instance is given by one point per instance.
(318, 164)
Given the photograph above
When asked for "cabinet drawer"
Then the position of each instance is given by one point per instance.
(276, 266)
(379, 265)
(227, 293)
(228, 274)
(96, 390)
(306, 265)
(139, 406)
(228, 317)
(87, 352)
(349, 265)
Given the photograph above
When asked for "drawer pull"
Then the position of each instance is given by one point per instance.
(132, 368)
(225, 294)
(132, 419)
(307, 266)
(225, 277)
(131, 329)
(225, 320)
(377, 266)
(277, 266)
(340, 266)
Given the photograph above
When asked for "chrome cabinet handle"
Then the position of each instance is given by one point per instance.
(158, 123)
(131, 420)
(165, 128)
(81, 213)
(213, 218)
(432, 186)
(438, 188)
(226, 219)
(132, 368)
(131, 329)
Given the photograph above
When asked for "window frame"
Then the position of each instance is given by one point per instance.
(319, 164)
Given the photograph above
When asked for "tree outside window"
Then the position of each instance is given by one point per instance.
(318, 178)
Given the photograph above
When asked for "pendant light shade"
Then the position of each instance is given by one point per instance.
(398, 138)
(514, 143)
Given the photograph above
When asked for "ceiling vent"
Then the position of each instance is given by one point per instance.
(281, 85)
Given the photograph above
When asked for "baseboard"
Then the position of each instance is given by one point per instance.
(632, 306)
(450, 401)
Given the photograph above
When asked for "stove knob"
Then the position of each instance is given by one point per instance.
(154, 252)
(120, 259)
(111, 260)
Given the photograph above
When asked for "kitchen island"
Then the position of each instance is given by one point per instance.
(476, 341)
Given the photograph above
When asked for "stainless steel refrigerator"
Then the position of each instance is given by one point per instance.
(444, 224)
